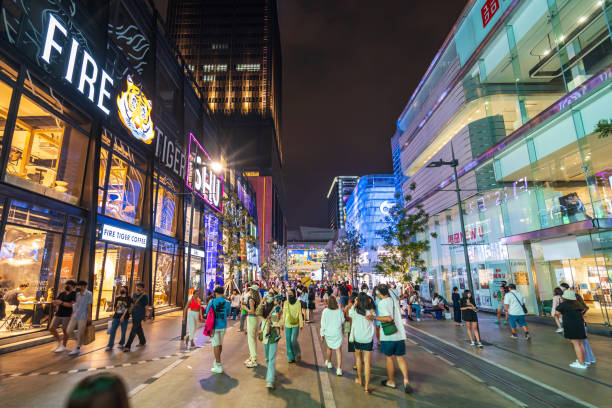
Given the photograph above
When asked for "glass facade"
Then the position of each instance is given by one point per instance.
(535, 172)
(366, 211)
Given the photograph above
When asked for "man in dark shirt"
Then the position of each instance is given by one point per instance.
(139, 309)
(63, 310)
(344, 295)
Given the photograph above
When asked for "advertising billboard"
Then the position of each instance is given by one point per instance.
(305, 260)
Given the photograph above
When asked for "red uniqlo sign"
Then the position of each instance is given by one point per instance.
(488, 11)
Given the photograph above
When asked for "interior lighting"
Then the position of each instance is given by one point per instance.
(216, 167)
(582, 19)
(546, 52)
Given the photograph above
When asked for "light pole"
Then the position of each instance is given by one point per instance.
(454, 163)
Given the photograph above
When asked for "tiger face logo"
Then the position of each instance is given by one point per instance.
(135, 112)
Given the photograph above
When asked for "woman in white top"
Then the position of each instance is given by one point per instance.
(556, 301)
(331, 330)
(362, 333)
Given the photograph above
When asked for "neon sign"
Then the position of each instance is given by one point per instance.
(201, 179)
(135, 112)
(88, 75)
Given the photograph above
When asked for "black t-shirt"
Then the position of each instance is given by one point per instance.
(122, 305)
(344, 290)
(65, 311)
(12, 297)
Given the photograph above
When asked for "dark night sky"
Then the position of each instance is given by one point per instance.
(350, 67)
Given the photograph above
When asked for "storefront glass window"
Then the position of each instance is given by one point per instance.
(166, 207)
(47, 154)
(165, 272)
(5, 100)
(126, 181)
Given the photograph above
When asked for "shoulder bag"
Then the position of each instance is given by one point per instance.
(390, 328)
(522, 304)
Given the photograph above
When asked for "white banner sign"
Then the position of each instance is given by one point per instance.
(195, 252)
(123, 236)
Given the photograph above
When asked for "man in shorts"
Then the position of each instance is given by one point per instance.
(221, 308)
(63, 310)
(514, 301)
(393, 344)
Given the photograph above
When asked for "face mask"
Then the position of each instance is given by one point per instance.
(291, 299)
(123, 292)
(67, 288)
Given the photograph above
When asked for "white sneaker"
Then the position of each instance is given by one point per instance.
(252, 364)
(472, 343)
(75, 352)
(339, 372)
(217, 369)
(328, 364)
(60, 348)
(247, 361)
(576, 364)
(559, 331)
(479, 344)
(418, 320)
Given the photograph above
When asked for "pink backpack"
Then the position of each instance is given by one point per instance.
(209, 325)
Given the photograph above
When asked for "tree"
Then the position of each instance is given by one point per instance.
(235, 223)
(402, 248)
(345, 255)
(277, 261)
(604, 128)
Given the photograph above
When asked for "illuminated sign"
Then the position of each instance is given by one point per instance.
(385, 207)
(195, 252)
(201, 178)
(122, 236)
(89, 75)
(135, 112)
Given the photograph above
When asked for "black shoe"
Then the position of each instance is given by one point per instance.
(141, 344)
(408, 389)
(126, 350)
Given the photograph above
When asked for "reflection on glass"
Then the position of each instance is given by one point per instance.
(5, 100)
(113, 270)
(165, 210)
(46, 154)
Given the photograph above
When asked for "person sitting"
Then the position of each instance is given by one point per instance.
(15, 297)
(436, 308)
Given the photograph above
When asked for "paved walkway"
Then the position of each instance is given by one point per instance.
(165, 374)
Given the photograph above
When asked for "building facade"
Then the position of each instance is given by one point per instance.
(515, 95)
(107, 155)
(367, 210)
(339, 192)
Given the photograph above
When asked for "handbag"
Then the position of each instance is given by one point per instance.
(89, 335)
(346, 329)
(390, 328)
(522, 304)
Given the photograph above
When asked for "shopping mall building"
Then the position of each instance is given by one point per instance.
(105, 145)
(517, 91)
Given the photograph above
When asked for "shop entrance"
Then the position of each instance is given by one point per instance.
(116, 266)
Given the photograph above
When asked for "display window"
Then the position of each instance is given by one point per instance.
(47, 153)
(5, 99)
(166, 206)
(121, 181)
(166, 272)
(115, 267)
(30, 261)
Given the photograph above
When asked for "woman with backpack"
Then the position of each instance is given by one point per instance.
(293, 322)
(270, 333)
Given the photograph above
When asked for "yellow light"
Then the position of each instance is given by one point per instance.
(216, 167)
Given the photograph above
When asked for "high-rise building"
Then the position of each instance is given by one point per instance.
(399, 176)
(232, 48)
(339, 192)
(516, 95)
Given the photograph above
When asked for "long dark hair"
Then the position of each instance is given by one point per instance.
(364, 303)
(99, 391)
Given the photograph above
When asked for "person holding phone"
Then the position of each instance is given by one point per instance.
(470, 317)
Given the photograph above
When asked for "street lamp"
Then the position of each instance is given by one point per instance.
(454, 163)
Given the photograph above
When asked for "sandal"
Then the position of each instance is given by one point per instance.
(368, 390)
(408, 389)
(384, 383)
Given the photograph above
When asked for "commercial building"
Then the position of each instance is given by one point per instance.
(340, 190)
(367, 210)
(107, 156)
(515, 94)
(306, 252)
(233, 50)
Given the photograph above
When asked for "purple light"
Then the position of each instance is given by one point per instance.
(218, 209)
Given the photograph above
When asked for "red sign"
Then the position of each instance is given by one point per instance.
(488, 11)
(457, 237)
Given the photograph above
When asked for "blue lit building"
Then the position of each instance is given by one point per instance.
(366, 210)
(398, 174)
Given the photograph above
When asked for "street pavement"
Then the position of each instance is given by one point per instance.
(445, 371)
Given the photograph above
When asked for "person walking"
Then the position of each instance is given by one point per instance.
(63, 310)
(222, 309)
(81, 315)
(243, 313)
(499, 295)
(292, 322)
(514, 303)
(193, 314)
(556, 301)
(270, 329)
(120, 318)
(139, 313)
(392, 337)
(362, 335)
(311, 304)
(250, 306)
(456, 306)
(470, 316)
(235, 303)
(331, 331)
(303, 293)
(344, 292)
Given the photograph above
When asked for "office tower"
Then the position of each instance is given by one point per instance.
(339, 192)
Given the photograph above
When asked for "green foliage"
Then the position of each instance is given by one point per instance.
(402, 246)
(604, 128)
(235, 222)
(343, 259)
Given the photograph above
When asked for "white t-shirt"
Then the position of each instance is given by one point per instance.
(387, 307)
(514, 299)
(362, 328)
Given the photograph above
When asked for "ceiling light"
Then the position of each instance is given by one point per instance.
(582, 19)
(546, 52)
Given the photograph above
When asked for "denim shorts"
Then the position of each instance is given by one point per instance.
(217, 338)
(393, 348)
(517, 319)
